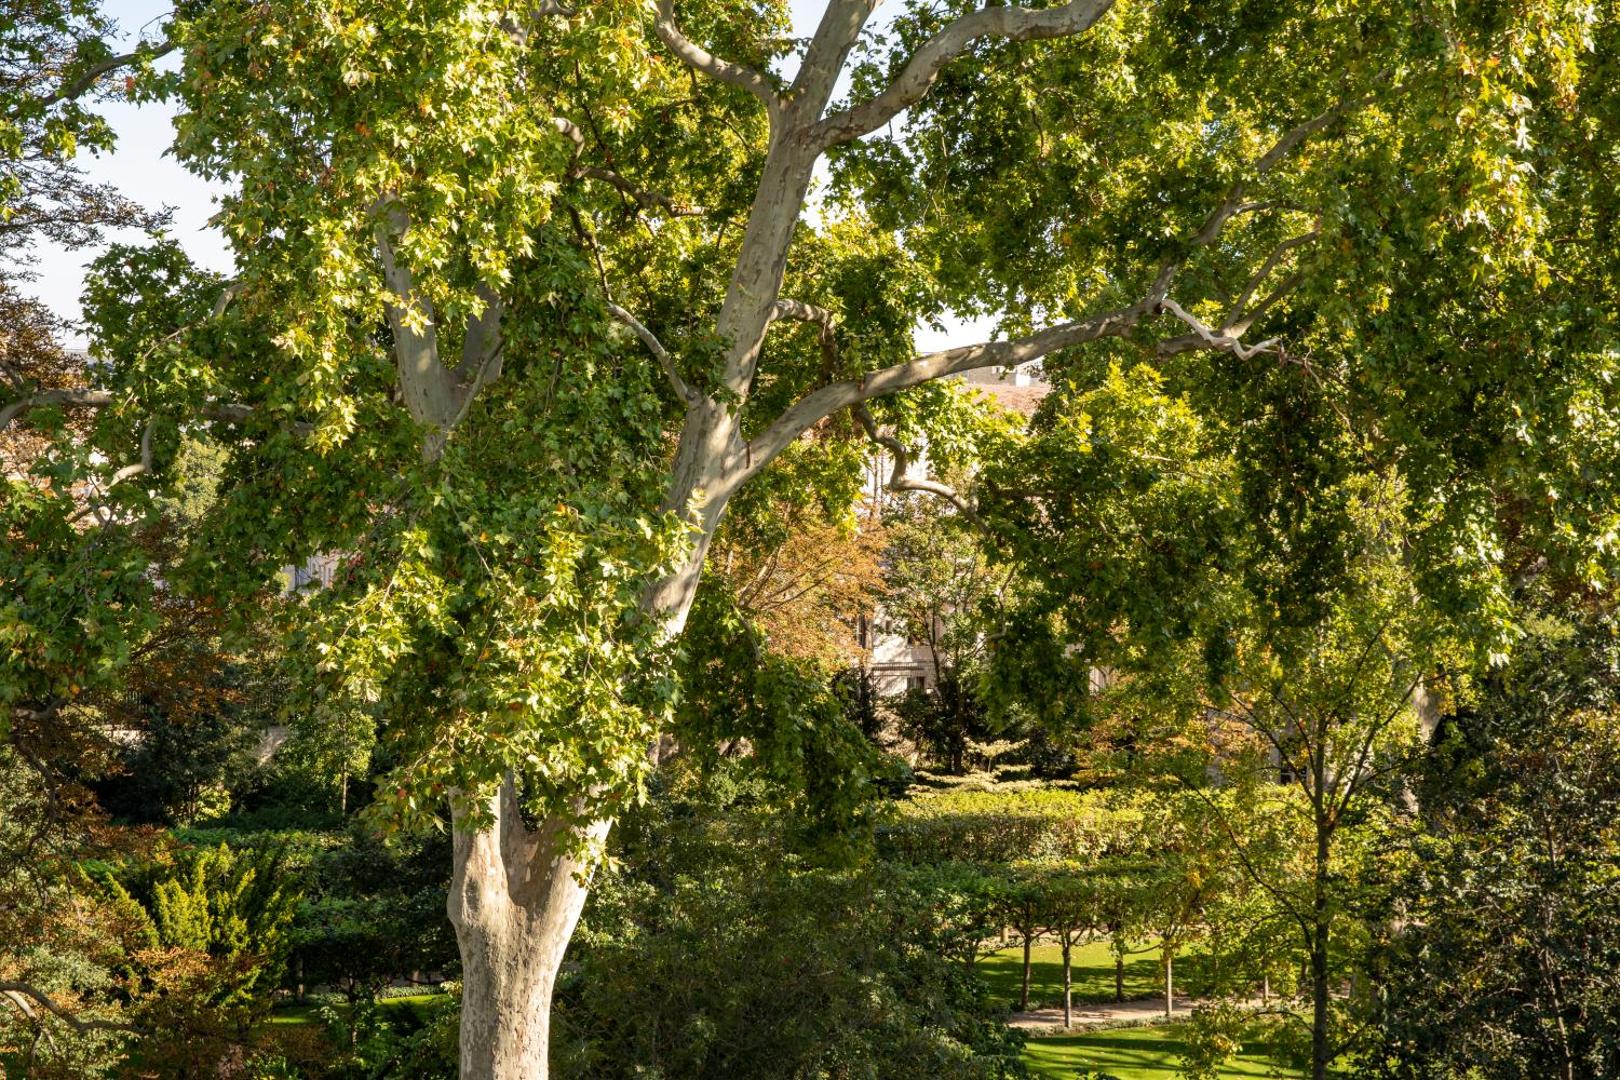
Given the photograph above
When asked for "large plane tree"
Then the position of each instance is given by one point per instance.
(527, 293)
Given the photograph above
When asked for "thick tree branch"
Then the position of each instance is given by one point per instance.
(899, 480)
(19, 989)
(428, 387)
(700, 59)
(823, 402)
(919, 73)
(837, 31)
(88, 399)
(482, 344)
(482, 353)
(682, 389)
(911, 85)
(141, 467)
(798, 311)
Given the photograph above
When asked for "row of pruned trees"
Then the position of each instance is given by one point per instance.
(1128, 867)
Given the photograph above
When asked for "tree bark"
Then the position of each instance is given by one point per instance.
(1169, 980)
(1068, 988)
(1319, 963)
(515, 896)
(1319, 1004)
(1023, 1000)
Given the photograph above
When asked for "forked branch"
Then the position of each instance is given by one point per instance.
(799, 311)
(1205, 337)
(899, 476)
(427, 385)
(919, 73)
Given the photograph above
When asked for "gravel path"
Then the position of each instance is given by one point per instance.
(1090, 1015)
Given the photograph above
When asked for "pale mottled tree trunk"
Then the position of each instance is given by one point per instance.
(517, 892)
(514, 899)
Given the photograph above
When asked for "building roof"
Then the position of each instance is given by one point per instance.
(1023, 400)
(1018, 390)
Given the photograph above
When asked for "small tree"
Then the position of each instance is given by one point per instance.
(1072, 914)
(1024, 905)
(1123, 905)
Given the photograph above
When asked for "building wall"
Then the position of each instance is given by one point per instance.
(895, 664)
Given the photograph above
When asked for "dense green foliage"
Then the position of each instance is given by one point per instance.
(1327, 297)
(1501, 957)
(715, 949)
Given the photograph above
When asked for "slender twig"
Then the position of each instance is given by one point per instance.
(88, 78)
(682, 389)
(63, 1014)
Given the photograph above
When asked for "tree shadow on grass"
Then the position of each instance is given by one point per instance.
(1093, 975)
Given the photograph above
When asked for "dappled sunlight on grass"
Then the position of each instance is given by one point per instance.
(1148, 1053)
(1093, 974)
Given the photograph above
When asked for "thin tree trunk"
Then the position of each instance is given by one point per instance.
(1068, 988)
(1117, 946)
(515, 896)
(1169, 980)
(1319, 963)
(1319, 1004)
(1023, 1000)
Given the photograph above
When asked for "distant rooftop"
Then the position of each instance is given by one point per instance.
(1018, 390)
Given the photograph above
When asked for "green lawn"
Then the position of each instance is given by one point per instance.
(294, 1013)
(1147, 1053)
(1093, 973)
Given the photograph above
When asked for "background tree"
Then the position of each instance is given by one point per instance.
(1503, 907)
(803, 563)
(371, 918)
(1023, 909)
(59, 59)
(1073, 915)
